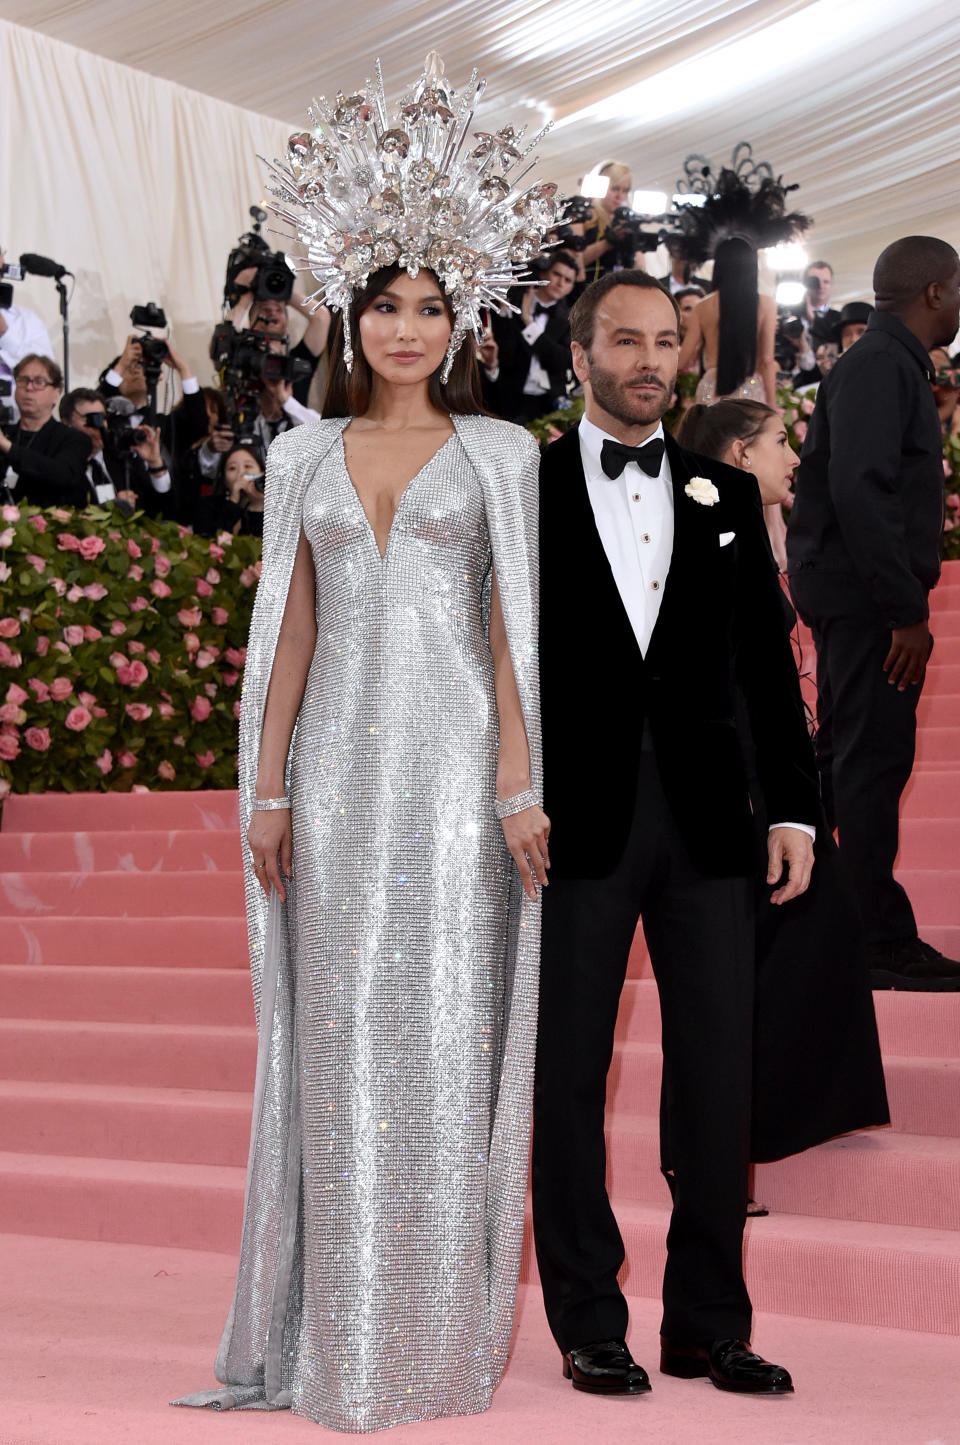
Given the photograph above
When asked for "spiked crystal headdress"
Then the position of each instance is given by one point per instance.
(364, 191)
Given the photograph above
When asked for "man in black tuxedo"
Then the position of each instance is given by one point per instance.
(864, 549)
(526, 358)
(41, 460)
(657, 586)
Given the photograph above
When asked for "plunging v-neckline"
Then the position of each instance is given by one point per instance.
(400, 500)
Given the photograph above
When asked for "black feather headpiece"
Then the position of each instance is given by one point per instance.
(746, 199)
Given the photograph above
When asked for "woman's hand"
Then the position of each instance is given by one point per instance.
(270, 839)
(527, 834)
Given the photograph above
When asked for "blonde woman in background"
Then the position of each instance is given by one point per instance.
(608, 245)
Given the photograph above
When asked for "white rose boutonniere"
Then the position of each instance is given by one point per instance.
(702, 490)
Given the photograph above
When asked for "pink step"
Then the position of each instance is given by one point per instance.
(932, 793)
(944, 623)
(126, 851)
(938, 708)
(878, 1176)
(89, 993)
(942, 677)
(870, 1274)
(88, 812)
(946, 646)
(924, 1093)
(934, 893)
(207, 941)
(929, 843)
(939, 745)
(162, 1056)
(181, 1126)
(121, 895)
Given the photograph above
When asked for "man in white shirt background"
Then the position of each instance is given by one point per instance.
(526, 355)
(22, 333)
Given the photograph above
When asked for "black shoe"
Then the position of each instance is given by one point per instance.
(605, 1368)
(730, 1364)
(913, 965)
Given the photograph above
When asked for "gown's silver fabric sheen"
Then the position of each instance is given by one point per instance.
(396, 990)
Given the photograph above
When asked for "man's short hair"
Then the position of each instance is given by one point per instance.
(53, 371)
(68, 403)
(584, 312)
(679, 296)
(907, 267)
(818, 266)
(562, 258)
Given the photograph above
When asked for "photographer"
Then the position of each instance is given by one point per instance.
(129, 377)
(270, 316)
(526, 355)
(611, 244)
(125, 466)
(41, 460)
(22, 333)
(236, 504)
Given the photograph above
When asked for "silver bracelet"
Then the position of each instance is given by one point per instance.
(269, 805)
(506, 807)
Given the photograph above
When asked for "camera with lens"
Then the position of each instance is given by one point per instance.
(789, 331)
(119, 436)
(632, 237)
(274, 278)
(574, 211)
(153, 349)
(246, 362)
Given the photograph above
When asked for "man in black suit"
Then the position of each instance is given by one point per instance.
(526, 358)
(864, 548)
(41, 460)
(657, 585)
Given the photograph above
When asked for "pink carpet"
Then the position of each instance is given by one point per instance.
(127, 1051)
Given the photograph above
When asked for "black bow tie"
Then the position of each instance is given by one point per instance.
(614, 457)
(538, 308)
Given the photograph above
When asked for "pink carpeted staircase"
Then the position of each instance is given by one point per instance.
(127, 1053)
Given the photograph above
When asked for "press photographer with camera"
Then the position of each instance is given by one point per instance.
(611, 231)
(126, 467)
(41, 460)
(135, 375)
(22, 333)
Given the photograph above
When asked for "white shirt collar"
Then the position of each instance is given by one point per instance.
(592, 439)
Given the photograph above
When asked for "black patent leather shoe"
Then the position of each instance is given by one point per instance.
(912, 966)
(605, 1368)
(730, 1364)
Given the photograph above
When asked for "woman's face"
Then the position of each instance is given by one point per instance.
(405, 330)
(239, 471)
(618, 194)
(771, 459)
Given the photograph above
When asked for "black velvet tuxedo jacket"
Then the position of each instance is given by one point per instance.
(720, 624)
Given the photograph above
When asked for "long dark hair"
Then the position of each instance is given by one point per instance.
(348, 393)
(735, 281)
(709, 430)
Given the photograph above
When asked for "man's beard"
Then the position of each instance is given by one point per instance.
(619, 400)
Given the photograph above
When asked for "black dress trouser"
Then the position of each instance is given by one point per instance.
(700, 933)
(866, 740)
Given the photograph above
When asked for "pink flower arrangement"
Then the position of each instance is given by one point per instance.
(16, 694)
(67, 542)
(203, 588)
(77, 719)
(167, 771)
(190, 616)
(135, 573)
(43, 645)
(159, 589)
(126, 759)
(162, 565)
(139, 711)
(9, 746)
(9, 627)
(105, 761)
(73, 635)
(91, 547)
(117, 628)
(91, 634)
(60, 689)
(95, 591)
(38, 739)
(133, 548)
(206, 760)
(200, 709)
(236, 656)
(37, 563)
(132, 674)
(39, 522)
(10, 512)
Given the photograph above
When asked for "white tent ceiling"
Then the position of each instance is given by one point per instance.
(855, 99)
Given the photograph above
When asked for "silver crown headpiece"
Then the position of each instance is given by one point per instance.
(363, 191)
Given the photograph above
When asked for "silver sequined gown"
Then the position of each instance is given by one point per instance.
(396, 990)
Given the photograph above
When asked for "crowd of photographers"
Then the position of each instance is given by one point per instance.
(202, 462)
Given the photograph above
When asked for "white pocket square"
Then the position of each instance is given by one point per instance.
(726, 537)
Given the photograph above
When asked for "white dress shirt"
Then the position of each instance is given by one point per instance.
(25, 335)
(537, 382)
(634, 517)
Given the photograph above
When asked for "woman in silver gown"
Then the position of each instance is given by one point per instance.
(391, 694)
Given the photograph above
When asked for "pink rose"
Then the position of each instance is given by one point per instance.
(807, 405)
(139, 711)
(87, 698)
(91, 547)
(41, 689)
(953, 502)
(99, 711)
(800, 428)
(200, 709)
(6, 537)
(105, 761)
(9, 627)
(94, 590)
(10, 746)
(11, 713)
(210, 688)
(78, 718)
(166, 770)
(220, 616)
(236, 656)
(190, 616)
(217, 553)
(16, 694)
(132, 549)
(60, 513)
(39, 522)
(10, 512)
(37, 738)
(43, 645)
(165, 709)
(155, 544)
(117, 628)
(159, 589)
(135, 647)
(132, 675)
(206, 760)
(75, 593)
(213, 575)
(61, 646)
(60, 689)
(236, 708)
(191, 641)
(67, 542)
(127, 759)
(117, 659)
(114, 536)
(153, 656)
(37, 563)
(162, 565)
(5, 573)
(203, 589)
(8, 658)
(230, 678)
(73, 636)
(91, 634)
(247, 577)
(179, 741)
(204, 658)
(135, 573)
(58, 585)
(138, 604)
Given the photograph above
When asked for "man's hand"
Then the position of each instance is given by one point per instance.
(130, 356)
(222, 438)
(149, 450)
(793, 848)
(127, 496)
(906, 662)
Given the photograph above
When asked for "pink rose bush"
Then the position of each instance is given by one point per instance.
(122, 646)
